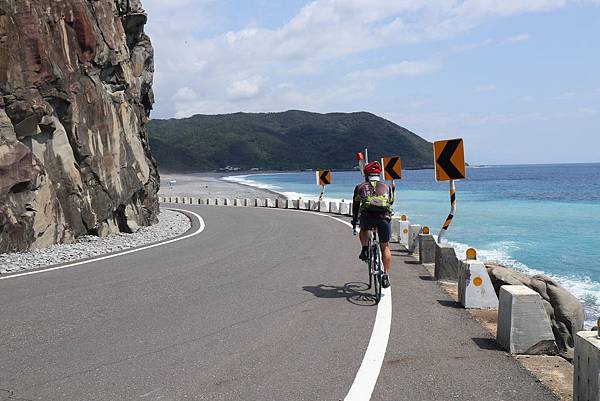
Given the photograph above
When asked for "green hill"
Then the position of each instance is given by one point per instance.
(290, 140)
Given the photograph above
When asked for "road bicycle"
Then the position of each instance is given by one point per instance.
(374, 263)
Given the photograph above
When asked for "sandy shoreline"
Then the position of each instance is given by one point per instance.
(211, 185)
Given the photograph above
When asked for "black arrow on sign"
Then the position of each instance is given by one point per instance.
(389, 168)
(324, 177)
(446, 164)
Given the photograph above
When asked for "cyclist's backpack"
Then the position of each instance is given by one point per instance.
(375, 198)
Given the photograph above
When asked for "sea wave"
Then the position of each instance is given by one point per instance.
(245, 180)
(584, 288)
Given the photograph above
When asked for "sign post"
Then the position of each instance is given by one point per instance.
(449, 166)
(360, 158)
(392, 170)
(323, 179)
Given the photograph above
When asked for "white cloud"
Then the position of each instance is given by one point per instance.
(472, 46)
(244, 88)
(485, 88)
(225, 68)
(185, 94)
(404, 68)
(523, 37)
(565, 96)
(587, 110)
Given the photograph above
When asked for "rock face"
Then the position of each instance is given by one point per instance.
(564, 310)
(75, 96)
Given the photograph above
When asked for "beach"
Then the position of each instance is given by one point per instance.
(210, 185)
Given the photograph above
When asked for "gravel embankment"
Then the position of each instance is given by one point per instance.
(170, 224)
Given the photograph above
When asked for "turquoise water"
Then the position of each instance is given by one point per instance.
(534, 218)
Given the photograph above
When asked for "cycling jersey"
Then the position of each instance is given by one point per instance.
(373, 198)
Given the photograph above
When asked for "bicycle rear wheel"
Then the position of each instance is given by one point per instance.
(370, 267)
(377, 272)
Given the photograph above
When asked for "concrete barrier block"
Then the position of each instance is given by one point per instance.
(312, 205)
(258, 203)
(293, 204)
(191, 201)
(523, 325)
(426, 248)
(302, 204)
(404, 231)
(281, 203)
(322, 207)
(247, 202)
(344, 208)
(413, 237)
(333, 207)
(269, 203)
(586, 364)
(447, 264)
(395, 224)
(237, 202)
(349, 213)
(475, 289)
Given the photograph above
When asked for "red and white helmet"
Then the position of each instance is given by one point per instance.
(373, 168)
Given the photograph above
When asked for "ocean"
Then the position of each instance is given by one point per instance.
(532, 218)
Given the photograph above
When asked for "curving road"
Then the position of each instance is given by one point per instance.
(263, 304)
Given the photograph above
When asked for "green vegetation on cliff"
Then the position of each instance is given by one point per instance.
(281, 141)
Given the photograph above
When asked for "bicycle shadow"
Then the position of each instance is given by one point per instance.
(353, 292)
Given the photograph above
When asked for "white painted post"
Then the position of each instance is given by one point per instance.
(413, 237)
(344, 208)
(475, 289)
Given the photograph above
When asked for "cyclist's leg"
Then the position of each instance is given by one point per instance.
(386, 256)
(365, 226)
(384, 230)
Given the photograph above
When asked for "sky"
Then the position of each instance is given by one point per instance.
(519, 80)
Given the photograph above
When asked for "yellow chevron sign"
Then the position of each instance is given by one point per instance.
(324, 177)
(392, 168)
(449, 160)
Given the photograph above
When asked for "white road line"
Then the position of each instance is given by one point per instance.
(198, 231)
(368, 373)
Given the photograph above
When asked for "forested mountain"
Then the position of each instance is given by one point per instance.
(290, 140)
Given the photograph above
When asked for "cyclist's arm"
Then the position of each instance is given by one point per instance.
(355, 204)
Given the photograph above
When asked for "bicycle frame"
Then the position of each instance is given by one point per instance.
(374, 263)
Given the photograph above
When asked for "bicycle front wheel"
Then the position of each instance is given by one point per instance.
(377, 272)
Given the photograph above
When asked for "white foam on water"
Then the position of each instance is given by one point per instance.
(584, 288)
(243, 179)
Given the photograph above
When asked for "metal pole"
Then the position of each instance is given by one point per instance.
(452, 211)
(322, 193)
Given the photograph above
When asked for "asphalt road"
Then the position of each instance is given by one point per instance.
(262, 305)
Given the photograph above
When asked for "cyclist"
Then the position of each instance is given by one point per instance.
(373, 200)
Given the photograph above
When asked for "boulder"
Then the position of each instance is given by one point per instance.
(75, 97)
(563, 308)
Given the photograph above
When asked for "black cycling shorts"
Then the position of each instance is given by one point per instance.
(384, 226)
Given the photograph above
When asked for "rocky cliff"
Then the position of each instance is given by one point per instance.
(75, 96)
